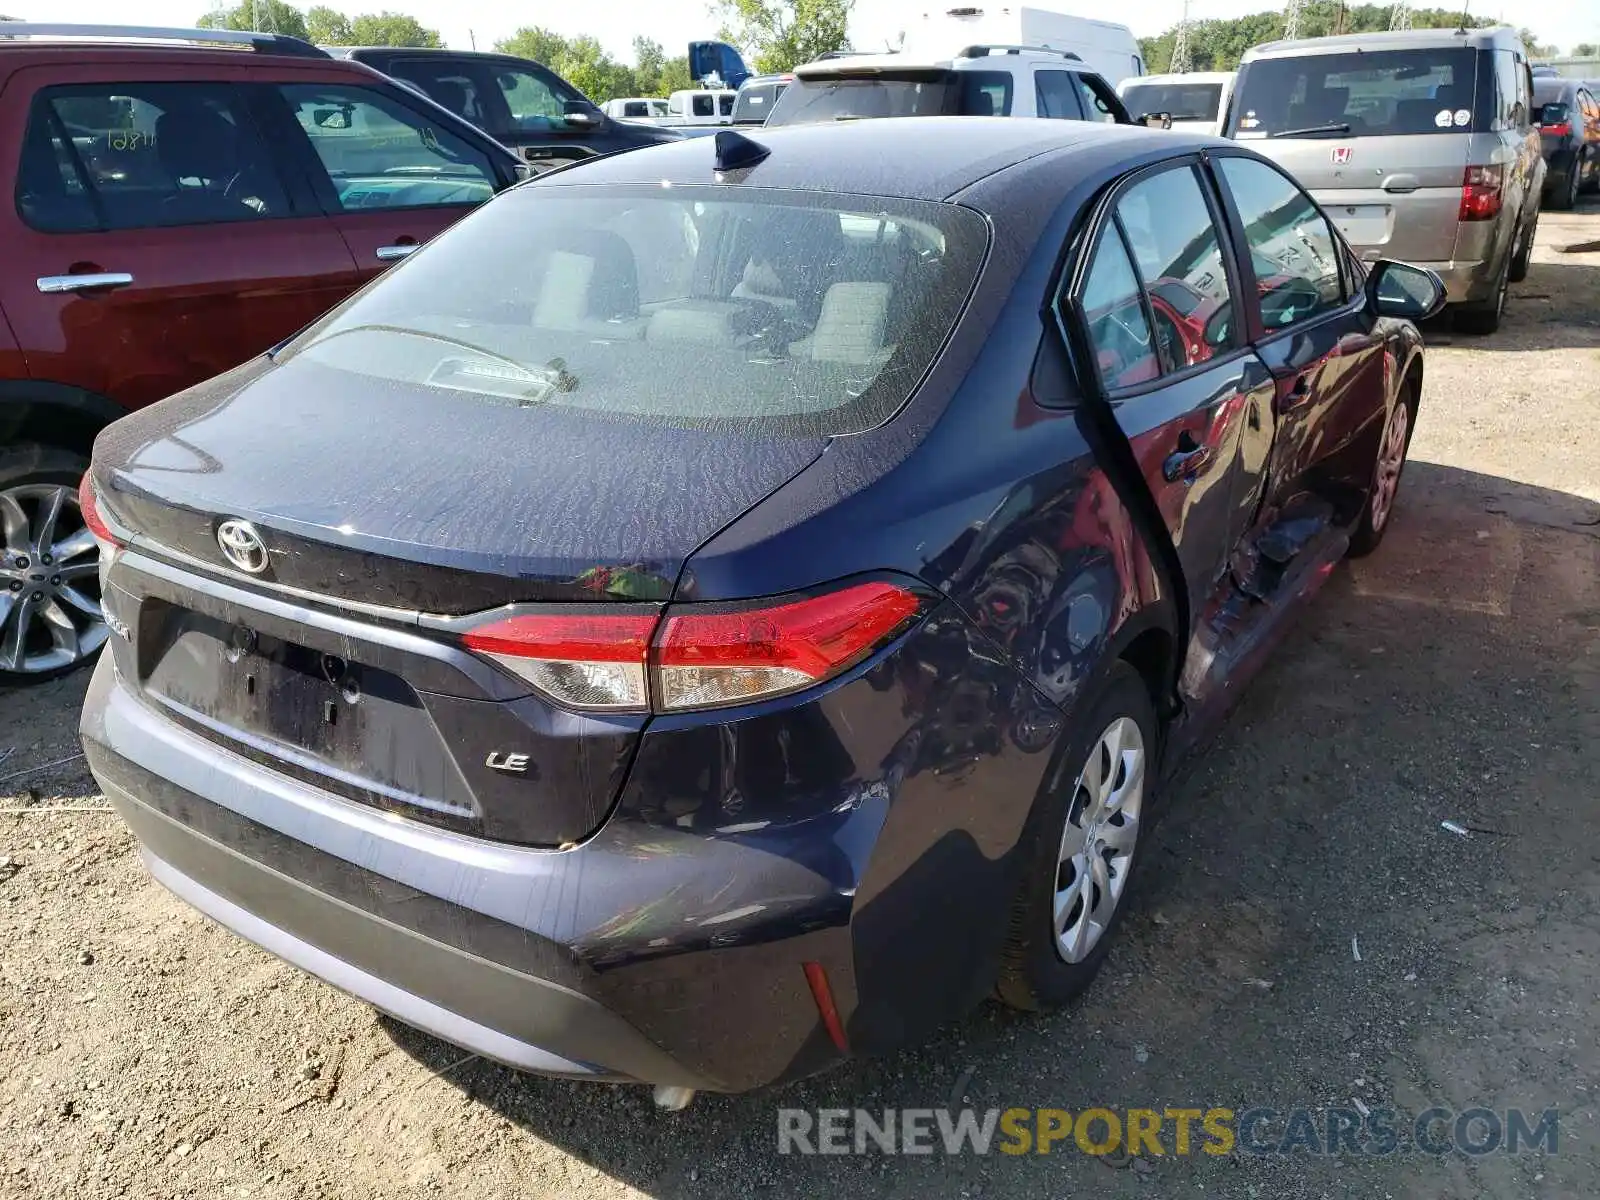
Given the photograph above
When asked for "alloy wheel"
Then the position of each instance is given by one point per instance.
(1097, 845)
(1391, 461)
(50, 615)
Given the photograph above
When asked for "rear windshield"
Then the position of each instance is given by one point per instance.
(1369, 94)
(787, 312)
(755, 102)
(908, 94)
(1185, 101)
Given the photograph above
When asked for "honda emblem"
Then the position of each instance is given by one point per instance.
(1341, 155)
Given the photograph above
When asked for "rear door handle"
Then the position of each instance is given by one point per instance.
(52, 285)
(1298, 394)
(1185, 464)
(399, 250)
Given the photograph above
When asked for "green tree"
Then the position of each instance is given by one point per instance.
(781, 34)
(541, 45)
(654, 74)
(1535, 48)
(391, 29)
(328, 27)
(1586, 50)
(269, 16)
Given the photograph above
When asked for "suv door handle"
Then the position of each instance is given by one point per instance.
(52, 285)
(399, 250)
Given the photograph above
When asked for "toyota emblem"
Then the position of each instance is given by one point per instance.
(1341, 155)
(242, 545)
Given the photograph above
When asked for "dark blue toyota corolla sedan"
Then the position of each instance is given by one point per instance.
(727, 607)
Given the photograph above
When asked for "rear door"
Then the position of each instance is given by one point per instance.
(1380, 138)
(156, 238)
(389, 173)
(1156, 298)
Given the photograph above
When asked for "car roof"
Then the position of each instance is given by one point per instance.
(1502, 36)
(921, 158)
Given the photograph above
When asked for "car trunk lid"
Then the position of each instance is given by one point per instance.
(342, 661)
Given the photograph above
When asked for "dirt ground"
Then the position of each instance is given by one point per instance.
(1453, 676)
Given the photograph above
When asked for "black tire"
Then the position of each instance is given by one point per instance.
(1593, 182)
(1565, 194)
(1524, 252)
(1033, 975)
(1368, 536)
(32, 463)
(1482, 317)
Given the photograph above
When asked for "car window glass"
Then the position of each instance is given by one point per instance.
(707, 306)
(725, 105)
(1179, 257)
(536, 107)
(1373, 93)
(1055, 95)
(447, 86)
(702, 106)
(1185, 101)
(985, 93)
(147, 154)
(1524, 91)
(1292, 247)
(381, 154)
(1113, 310)
(1095, 105)
(51, 195)
(1505, 87)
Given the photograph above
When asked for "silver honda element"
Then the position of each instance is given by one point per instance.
(1419, 144)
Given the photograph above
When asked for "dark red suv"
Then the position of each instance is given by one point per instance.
(169, 209)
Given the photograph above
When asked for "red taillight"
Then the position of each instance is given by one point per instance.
(590, 660)
(704, 659)
(699, 658)
(89, 506)
(1480, 192)
(1559, 129)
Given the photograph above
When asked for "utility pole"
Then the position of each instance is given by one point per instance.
(1182, 55)
(1293, 11)
(1400, 15)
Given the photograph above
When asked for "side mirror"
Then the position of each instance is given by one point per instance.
(1396, 289)
(580, 114)
(1159, 120)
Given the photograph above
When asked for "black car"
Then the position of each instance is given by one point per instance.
(519, 103)
(726, 608)
(1568, 116)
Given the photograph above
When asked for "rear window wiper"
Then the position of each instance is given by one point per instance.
(1330, 127)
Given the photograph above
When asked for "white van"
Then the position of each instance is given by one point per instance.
(1106, 48)
(1196, 100)
(646, 109)
(700, 106)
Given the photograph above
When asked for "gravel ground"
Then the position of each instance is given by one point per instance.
(1453, 676)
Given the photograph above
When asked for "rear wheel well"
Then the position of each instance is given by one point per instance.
(53, 415)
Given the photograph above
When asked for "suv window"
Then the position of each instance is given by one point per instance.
(1372, 93)
(536, 104)
(1505, 88)
(702, 106)
(1114, 311)
(1179, 256)
(1055, 95)
(447, 85)
(908, 93)
(1292, 247)
(138, 155)
(380, 154)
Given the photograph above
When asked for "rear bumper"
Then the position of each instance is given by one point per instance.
(491, 947)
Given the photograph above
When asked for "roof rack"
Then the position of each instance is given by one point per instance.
(262, 43)
(984, 49)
